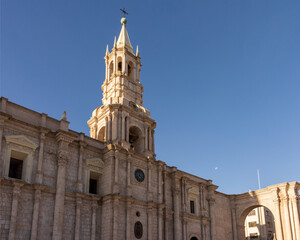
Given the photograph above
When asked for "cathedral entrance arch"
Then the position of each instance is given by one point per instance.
(194, 238)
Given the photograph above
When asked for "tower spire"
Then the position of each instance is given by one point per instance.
(123, 40)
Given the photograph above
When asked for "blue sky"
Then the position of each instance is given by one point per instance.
(221, 78)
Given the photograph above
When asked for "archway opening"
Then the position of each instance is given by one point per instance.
(119, 64)
(257, 223)
(130, 71)
(194, 238)
(136, 139)
(102, 135)
(111, 69)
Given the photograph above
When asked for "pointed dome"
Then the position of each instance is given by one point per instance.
(123, 40)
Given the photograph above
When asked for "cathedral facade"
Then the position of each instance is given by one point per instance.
(59, 184)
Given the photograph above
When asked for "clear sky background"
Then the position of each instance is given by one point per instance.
(221, 78)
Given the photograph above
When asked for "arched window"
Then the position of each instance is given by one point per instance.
(130, 71)
(111, 68)
(119, 64)
(102, 134)
(136, 139)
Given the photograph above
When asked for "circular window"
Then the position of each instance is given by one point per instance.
(139, 175)
(138, 230)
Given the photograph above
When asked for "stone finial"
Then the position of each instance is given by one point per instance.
(137, 51)
(64, 116)
(107, 51)
(115, 42)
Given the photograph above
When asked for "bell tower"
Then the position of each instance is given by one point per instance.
(122, 119)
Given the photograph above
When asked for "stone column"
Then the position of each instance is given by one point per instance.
(59, 198)
(160, 182)
(109, 131)
(149, 192)
(128, 220)
(63, 139)
(78, 216)
(234, 228)
(166, 222)
(116, 172)
(82, 144)
(94, 211)
(184, 230)
(36, 210)
(146, 137)
(176, 215)
(296, 216)
(287, 221)
(106, 129)
(14, 210)
(149, 222)
(152, 143)
(278, 223)
(123, 127)
(160, 222)
(211, 202)
(176, 227)
(201, 212)
(115, 218)
(128, 174)
(150, 140)
(115, 115)
(39, 173)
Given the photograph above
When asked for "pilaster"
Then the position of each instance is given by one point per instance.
(14, 209)
(78, 217)
(82, 145)
(36, 211)
(63, 156)
(94, 211)
(175, 193)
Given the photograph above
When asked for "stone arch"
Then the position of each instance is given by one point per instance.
(136, 139)
(111, 68)
(260, 219)
(130, 71)
(119, 64)
(102, 134)
(245, 203)
(194, 236)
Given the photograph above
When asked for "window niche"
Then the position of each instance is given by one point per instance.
(120, 67)
(18, 162)
(102, 134)
(130, 71)
(193, 194)
(192, 207)
(94, 170)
